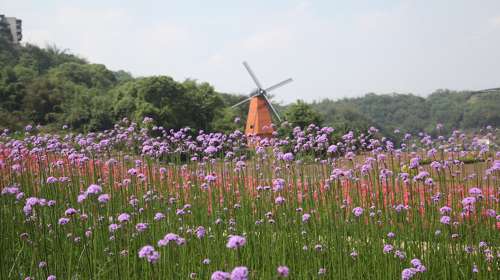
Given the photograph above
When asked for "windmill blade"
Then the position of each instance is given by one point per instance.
(254, 78)
(272, 108)
(280, 84)
(241, 102)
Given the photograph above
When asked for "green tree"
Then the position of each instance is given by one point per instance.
(302, 114)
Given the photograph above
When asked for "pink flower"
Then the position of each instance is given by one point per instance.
(279, 200)
(124, 217)
(358, 211)
(103, 198)
(283, 271)
(235, 242)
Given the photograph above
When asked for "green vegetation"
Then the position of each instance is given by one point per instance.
(53, 88)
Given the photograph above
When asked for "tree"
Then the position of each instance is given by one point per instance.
(302, 114)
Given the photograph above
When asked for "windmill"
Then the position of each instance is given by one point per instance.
(259, 120)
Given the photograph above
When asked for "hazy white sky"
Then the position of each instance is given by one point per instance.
(331, 49)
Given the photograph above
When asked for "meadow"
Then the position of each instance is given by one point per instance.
(143, 202)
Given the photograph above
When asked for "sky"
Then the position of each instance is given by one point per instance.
(332, 49)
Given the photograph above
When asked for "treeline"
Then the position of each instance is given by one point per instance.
(53, 88)
(410, 113)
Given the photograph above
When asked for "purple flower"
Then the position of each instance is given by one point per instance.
(445, 220)
(103, 198)
(70, 212)
(63, 221)
(210, 150)
(421, 268)
(141, 227)
(416, 262)
(210, 178)
(149, 253)
(93, 189)
(475, 191)
(332, 149)
(124, 217)
(171, 237)
(435, 165)
(10, 190)
(235, 242)
(400, 254)
(322, 271)
(51, 277)
(206, 261)
(200, 232)
(52, 180)
(354, 254)
(132, 172)
(287, 157)
(239, 273)
(159, 216)
(468, 201)
(491, 213)
(283, 271)
(475, 269)
(278, 184)
(113, 227)
(445, 210)
(408, 273)
(27, 209)
(32, 201)
(388, 248)
(279, 200)
(220, 275)
(81, 198)
(358, 211)
(306, 217)
(414, 162)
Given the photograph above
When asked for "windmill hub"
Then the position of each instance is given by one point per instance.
(259, 118)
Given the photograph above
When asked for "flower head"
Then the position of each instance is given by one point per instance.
(239, 273)
(283, 271)
(124, 217)
(148, 252)
(103, 198)
(445, 220)
(220, 275)
(93, 189)
(358, 211)
(236, 241)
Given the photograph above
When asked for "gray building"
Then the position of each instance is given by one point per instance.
(14, 25)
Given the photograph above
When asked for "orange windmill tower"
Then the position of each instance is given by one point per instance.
(259, 119)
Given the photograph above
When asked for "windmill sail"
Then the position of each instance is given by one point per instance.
(259, 119)
(272, 108)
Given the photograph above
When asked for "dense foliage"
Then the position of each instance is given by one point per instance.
(53, 88)
(454, 110)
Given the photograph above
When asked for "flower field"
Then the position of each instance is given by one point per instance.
(143, 202)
